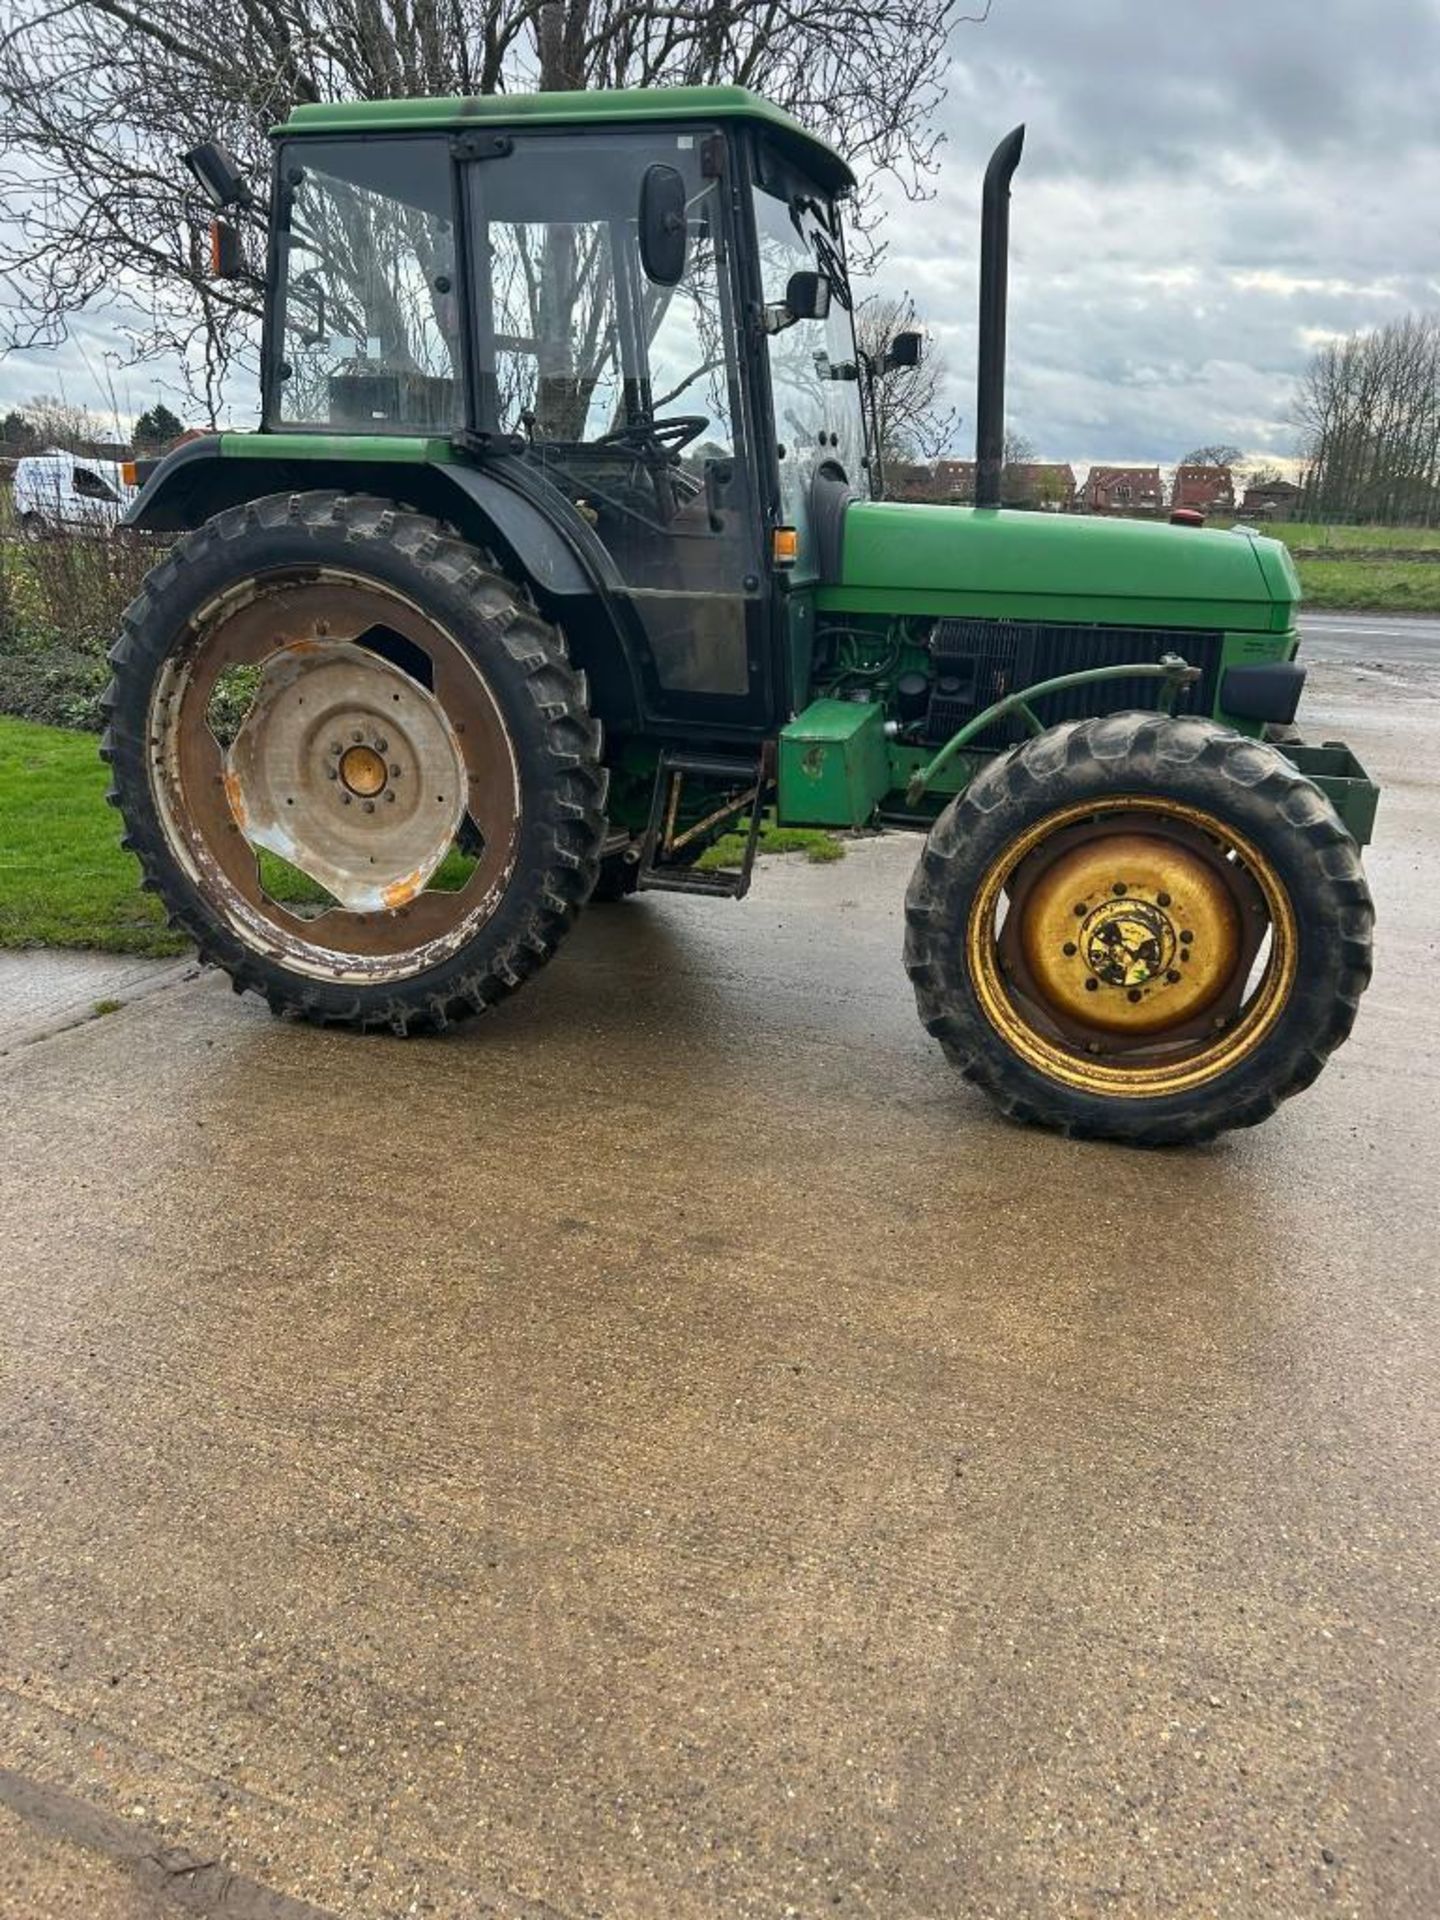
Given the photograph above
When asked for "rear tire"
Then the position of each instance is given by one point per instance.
(1133, 768)
(352, 966)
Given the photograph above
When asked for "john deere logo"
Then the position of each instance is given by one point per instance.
(1127, 943)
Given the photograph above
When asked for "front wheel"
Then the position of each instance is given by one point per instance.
(1139, 929)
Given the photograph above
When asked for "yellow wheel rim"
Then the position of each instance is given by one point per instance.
(1131, 933)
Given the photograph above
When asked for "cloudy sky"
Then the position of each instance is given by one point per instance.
(1209, 188)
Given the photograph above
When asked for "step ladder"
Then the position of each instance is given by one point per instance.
(722, 788)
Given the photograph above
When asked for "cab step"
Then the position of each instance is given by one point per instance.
(694, 794)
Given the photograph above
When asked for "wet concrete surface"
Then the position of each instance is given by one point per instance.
(670, 1450)
(43, 990)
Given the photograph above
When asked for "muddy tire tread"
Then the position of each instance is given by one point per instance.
(553, 886)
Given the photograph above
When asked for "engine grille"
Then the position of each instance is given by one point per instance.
(978, 662)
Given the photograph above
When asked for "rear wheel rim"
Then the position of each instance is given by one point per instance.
(1144, 873)
(271, 789)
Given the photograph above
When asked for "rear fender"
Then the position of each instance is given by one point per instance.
(568, 571)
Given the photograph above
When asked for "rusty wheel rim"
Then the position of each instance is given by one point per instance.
(1139, 947)
(278, 786)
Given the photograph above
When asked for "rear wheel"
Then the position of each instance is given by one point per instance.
(1139, 929)
(354, 762)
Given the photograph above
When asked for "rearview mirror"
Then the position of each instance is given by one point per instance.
(807, 296)
(662, 225)
(903, 351)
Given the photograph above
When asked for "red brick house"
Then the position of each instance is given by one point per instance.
(1124, 490)
(1204, 489)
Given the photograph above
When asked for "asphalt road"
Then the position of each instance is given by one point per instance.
(1401, 638)
(670, 1451)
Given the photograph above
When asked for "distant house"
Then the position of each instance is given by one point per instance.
(1204, 489)
(955, 480)
(1124, 490)
(1049, 484)
(1043, 483)
(1273, 500)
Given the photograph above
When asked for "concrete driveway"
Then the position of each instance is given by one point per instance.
(669, 1451)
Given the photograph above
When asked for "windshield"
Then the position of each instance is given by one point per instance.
(813, 371)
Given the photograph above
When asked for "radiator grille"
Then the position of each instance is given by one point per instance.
(979, 661)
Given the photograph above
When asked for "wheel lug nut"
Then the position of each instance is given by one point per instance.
(382, 746)
(1119, 887)
(1172, 976)
(369, 806)
(336, 748)
(346, 799)
(1162, 899)
(357, 736)
(394, 769)
(391, 798)
(1186, 937)
(331, 774)
(1092, 986)
(1081, 909)
(1133, 995)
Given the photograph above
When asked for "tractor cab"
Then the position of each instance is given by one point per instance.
(644, 318)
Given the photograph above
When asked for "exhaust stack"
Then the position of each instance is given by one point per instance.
(994, 298)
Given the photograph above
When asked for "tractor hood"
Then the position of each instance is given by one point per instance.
(966, 562)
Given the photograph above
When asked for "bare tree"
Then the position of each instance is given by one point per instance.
(57, 423)
(1219, 454)
(100, 96)
(1368, 408)
(912, 421)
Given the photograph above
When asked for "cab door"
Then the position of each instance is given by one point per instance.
(626, 396)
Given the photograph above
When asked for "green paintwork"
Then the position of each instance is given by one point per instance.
(833, 768)
(635, 105)
(1345, 784)
(964, 561)
(400, 448)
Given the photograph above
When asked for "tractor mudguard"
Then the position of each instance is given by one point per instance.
(540, 539)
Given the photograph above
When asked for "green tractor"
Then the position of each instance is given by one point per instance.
(557, 556)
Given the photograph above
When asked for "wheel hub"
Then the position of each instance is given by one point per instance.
(1130, 933)
(363, 771)
(348, 769)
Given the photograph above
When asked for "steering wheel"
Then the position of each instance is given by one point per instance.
(676, 432)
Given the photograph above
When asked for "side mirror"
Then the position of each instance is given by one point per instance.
(662, 225)
(807, 296)
(214, 170)
(903, 351)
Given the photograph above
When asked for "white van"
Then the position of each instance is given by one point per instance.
(69, 492)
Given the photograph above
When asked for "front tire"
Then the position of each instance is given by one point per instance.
(1139, 929)
(442, 715)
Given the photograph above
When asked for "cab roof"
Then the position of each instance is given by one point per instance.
(633, 105)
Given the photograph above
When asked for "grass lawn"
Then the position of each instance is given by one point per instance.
(1383, 586)
(64, 881)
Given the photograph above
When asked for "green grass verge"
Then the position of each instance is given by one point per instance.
(1371, 586)
(1299, 533)
(65, 882)
(816, 845)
